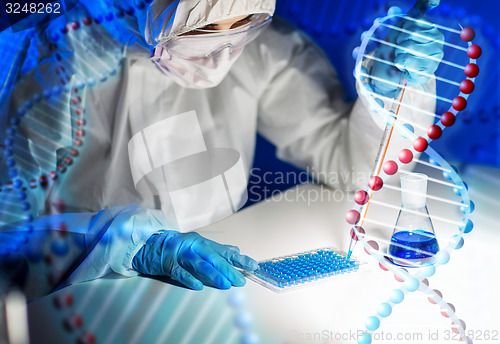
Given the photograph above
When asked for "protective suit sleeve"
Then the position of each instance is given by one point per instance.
(304, 113)
(118, 234)
(65, 249)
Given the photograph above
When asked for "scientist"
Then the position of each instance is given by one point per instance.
(241, 72)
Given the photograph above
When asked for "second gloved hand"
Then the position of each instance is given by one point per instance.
(415, 48)
(192, 260)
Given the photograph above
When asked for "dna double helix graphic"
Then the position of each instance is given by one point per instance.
(335, 26)
(46, 137)
(408, 141)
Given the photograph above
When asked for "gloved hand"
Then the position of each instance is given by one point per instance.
(192, 260)
(418, 53)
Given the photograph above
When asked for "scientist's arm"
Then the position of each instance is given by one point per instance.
(60, 250)
(304, 113)
(134, 240)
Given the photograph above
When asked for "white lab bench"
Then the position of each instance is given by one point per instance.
(142, 310)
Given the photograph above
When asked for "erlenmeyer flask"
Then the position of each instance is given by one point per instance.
(413, 241)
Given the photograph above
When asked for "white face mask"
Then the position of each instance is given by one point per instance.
(204, 59)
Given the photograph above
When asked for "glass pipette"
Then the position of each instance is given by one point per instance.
(382, 150)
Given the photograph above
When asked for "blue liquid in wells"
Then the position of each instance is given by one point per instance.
(415, 241)
(305, 267)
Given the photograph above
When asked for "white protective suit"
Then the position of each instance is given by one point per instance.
(282, 86)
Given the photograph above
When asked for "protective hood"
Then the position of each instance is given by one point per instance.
(165, 19)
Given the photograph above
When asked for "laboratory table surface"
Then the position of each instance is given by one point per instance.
(144, 310)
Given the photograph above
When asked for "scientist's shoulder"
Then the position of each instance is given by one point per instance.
(282, 38)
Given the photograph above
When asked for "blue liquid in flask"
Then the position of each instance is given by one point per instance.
(414, 245)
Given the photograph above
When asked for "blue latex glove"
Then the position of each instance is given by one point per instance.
(420, 41)
(192, 260)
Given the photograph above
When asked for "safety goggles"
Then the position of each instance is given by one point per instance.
(203, 43)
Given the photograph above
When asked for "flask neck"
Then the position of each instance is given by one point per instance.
(414, 190)
(414, 201)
